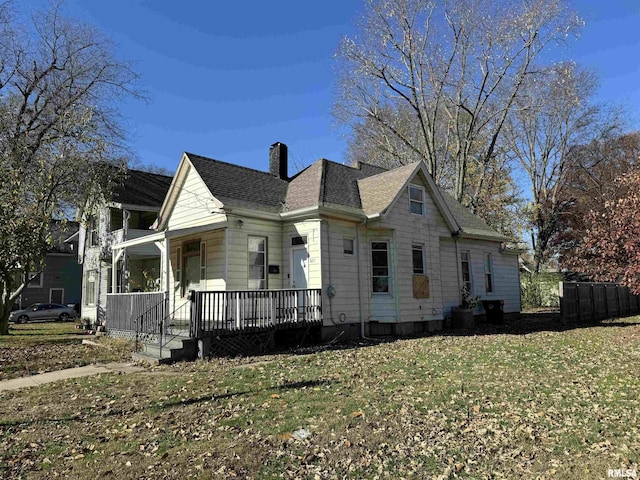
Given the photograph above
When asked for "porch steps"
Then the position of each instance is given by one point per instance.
(175, 350)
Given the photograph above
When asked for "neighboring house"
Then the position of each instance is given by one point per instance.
(60, 280)
(388, 251)
(130, 214)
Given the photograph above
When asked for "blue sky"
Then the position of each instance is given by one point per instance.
(227, 79)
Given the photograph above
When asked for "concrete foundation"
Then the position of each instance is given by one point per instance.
(351, 331)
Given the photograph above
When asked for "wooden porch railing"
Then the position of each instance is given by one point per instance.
(234, 310)
(136, 312)
(215, 311)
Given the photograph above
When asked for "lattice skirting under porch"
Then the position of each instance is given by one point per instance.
(256, 343)
(242, 344)
(129, 335)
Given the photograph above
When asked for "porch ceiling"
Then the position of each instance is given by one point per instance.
(149, 240)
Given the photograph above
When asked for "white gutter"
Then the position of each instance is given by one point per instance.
(318, 210)
(475, 236)
(251, 213)
(133, 206)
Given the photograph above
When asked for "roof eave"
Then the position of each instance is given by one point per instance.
(325, 210)
(478, 236)
(172, 193)
(134, 206)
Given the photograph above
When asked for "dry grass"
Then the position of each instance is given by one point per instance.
(43, 347)
(547, 404)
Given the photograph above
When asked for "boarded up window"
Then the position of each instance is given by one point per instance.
(421, 286)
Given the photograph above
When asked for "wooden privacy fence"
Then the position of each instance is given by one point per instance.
(126, 310)
(584, 302)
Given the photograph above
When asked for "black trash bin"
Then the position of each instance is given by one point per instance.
(494, 311)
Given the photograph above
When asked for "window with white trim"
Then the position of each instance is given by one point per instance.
(488, 273)
(203, 262)
(37, 279)
(348, 247)
(380, 267)
(90, 287)
(465, 264)
(257, 252)
(178, 271)
(419, 259)
(299, 240)
(416, 199)
(94, 231)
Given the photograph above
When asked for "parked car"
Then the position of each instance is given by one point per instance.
(43, 311)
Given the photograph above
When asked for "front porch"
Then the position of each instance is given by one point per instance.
(211, 314)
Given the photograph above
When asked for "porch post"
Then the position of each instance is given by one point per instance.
(115, 258)
(167, 265)
(163, 246)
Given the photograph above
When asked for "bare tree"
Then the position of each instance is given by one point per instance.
(436, 80)
(60, 133)
(554, 115)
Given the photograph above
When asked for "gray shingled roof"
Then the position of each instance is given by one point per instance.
(240, 186)
(328, 183)
(305, 188)
(378, 191)
(367, 188)
(142, 188)
(470, 223)
(60, 234)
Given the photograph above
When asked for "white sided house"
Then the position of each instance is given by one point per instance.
(337, 249)
(131, 211)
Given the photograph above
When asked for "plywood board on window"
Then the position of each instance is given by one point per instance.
(421, 286)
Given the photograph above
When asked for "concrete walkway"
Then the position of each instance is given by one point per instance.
(49, 377)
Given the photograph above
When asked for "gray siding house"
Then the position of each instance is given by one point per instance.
(61, 277)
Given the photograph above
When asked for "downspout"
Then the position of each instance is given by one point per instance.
(393, 269)
(226, 258)
(362, 335)
(330, 297)
(167, 272)
(458, 274)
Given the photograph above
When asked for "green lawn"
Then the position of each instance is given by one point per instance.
(42, 347)
(540, 405)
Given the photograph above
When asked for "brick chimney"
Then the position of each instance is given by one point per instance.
(278, 162)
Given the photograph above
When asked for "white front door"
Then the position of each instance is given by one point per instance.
(383, 305)
(300, 275)
(300, 268)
